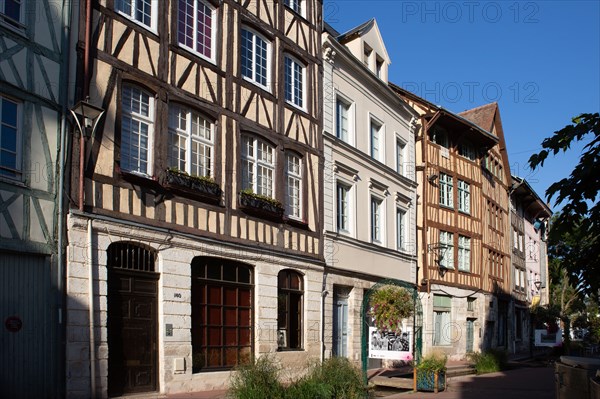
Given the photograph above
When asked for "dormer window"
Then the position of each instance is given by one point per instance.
(379, 67)
(367, 54)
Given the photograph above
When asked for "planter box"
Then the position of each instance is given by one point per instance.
(426, 381)
(191, 186)
(261, 207)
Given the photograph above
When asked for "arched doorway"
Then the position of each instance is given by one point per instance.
(132, 319)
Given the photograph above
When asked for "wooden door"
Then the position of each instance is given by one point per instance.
(470, 334)
(132, 332)
(340, 326)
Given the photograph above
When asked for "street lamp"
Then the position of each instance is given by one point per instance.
(537, 285)
(86, 117)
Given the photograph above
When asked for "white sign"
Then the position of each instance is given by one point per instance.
(544, 338)
(389, 345)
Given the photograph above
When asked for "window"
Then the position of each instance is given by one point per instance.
(342, 116)
(376, 140)
(296, 5)
(12, 11)
(195, 27)
(447, 254)
(379, 67)
(376, 220)
(10, 138)
(518, 324)
(343, 208)
(258, 164)
(190, 142)
(446, 194)
(401, 229)
(255, 57)
(464, 196)
(442, 305)
(400, 156)
(137, 125)
(294, 82)
(464, 253)
(289, 310)
(467, 150)
(471, 304)
(367, 54)
(439, 136)
(141, 11)
(222, 323)
(294, 186)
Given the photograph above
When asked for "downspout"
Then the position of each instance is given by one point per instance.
(86, 93)
(91, 309)
(425, 133)
(64, 96)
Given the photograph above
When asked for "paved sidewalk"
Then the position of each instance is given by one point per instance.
(522, 383)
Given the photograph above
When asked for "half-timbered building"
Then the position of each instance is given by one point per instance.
(33, 99)
(200, 213)
(529, 216)
(462, 227)
(369, 185)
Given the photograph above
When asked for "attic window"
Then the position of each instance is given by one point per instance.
(367, 54)
(379, 67)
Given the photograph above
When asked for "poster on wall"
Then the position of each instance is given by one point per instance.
(390, 345)
(544, 338)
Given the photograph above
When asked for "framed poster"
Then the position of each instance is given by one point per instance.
(390, 345)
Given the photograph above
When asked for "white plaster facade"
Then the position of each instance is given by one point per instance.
(356, 257)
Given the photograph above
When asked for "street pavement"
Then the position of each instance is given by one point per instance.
(520, 383)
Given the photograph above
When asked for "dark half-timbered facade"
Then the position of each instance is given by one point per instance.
(200, 216)
(462, 228)
(33, 99)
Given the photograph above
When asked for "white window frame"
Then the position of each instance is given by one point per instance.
(446, 186)
(346, 206)
(376, 142)
(13, 23)
(253, 79)
(349, 117)
(17, 171)
(194, 49)
(464, 196)
(377, 220)
(258, 172)
(401, 229)
(464, 253)
(447, 240)
(400, 156)
(294, 185)
(139, 118)
(190, 140)
(298, 6)
(132, 14)
(293, 67)
(442, 314)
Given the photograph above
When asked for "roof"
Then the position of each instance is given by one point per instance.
(357, 31)
(330, 29)
(482, 116)
(532, 203)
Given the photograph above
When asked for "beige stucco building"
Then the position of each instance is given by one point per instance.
(369, 181)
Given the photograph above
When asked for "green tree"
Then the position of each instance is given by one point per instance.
(576, 230)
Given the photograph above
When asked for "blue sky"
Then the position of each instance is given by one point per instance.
(540, 60)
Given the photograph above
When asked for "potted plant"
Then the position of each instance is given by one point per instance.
(203, 187)
(390, 305)
(261, 205)
(177, 177)
(431, 372)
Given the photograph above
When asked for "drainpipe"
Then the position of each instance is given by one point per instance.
(62, 156)
(91, 309)
(85, 95)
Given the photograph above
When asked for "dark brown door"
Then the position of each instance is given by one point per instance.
(132, 332)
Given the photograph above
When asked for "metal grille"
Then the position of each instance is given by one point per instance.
(130, 256)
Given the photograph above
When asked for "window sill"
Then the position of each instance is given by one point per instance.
(301, 224)
(138, 178)
(255, 83)
(150, 29)
(290, 350)
(13, 25)
(449, 207)
(296, 107)
(196, 54)
(194, 188)
(465, 213)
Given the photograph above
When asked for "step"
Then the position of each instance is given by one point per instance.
(397, 382)
(459, 370)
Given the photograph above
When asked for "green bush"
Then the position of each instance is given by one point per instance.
(435, 362)
(335, 378)
(489, 362)
(259, 379)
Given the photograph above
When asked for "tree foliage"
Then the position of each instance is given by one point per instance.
(575, 232)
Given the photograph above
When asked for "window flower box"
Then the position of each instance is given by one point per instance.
(203, 188)
(261, 206)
